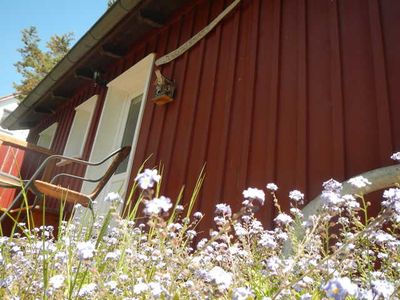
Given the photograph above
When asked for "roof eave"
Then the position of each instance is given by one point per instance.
(86, 44)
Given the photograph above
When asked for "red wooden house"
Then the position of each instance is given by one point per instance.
(287, 91)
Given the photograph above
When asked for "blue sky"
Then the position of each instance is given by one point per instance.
(50, 17)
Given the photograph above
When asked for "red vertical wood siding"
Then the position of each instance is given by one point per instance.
(293, 92)
(287, 91)
(10, 163)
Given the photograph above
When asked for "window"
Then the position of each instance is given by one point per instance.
(130, 129)
(46, 136)
(80, 128)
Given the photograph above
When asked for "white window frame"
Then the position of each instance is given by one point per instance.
(121, 91)
(49, 132)
(88, 106)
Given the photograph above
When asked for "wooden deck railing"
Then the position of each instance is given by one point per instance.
(13, 151)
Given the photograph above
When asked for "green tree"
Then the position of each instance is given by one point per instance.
(36, 63)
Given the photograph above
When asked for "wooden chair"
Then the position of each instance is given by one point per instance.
(42, 188)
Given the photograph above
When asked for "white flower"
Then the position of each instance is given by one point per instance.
(307, 280)
(114, 255)
(223, 209)
(189, 284)
(253, 193)
(3, 240)
(382, 288)
(112, 285)
(340, 288)
(85, 250)
(350, 201)
(256, 226)
(220, 277)
(392, 194)
(296, 196)
(147, 179)
(306, 296)
(272, 187)
(267, 240)
(57, 281)
(87, 289)
(113, 198)
(282, 236)
(382, 255)
(331, 199)
(140, 288)
(157, 205)
(392, 202)
(123, 277)
(296, 212)
(273, 264)
(191, 234)
(242, 293)
(359, 181)
(156, 289)
(383, 237)
(197, 215)
(62, 256)
(239, 230)
(396, 156)
(332, 185)
(283, 219)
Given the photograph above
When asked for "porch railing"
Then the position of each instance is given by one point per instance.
(19, 158)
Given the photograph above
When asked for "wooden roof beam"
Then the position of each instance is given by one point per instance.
(59, 96)
(110, 51)
(85, 74)
(150, 18)
(44, 110)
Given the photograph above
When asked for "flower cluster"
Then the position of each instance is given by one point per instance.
(339, 253)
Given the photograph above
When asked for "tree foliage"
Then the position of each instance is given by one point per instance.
(36, 63)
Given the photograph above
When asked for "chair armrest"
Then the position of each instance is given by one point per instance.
(17, 143)
(64, 162)
(74, 177)
(67, 160)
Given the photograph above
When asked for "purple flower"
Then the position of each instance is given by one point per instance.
(340, 288)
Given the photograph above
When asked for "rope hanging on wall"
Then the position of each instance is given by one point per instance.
(196, 38)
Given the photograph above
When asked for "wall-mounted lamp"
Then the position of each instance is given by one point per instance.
(165, 89)
(95, 76)
(98, 78)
